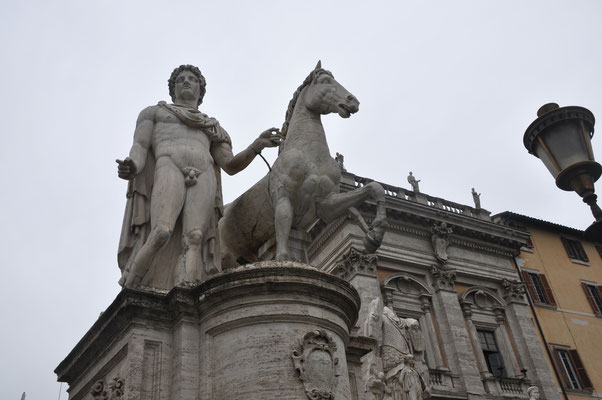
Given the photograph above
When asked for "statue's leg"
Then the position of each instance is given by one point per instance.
(196, 219)
(166, 204)
(338, 204)
(283, 220)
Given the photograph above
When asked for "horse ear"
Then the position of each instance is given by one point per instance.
(319, 65)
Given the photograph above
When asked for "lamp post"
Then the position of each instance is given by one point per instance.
(561, 138)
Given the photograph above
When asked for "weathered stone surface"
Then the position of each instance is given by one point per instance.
(231, 337)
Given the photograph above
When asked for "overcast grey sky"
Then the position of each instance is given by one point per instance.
(447, 89)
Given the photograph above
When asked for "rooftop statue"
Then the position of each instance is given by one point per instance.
(414, 182)
(340, 159)
(476, 197)
(174, 186)
(303, 185)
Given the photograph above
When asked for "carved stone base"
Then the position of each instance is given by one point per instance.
(237, 336)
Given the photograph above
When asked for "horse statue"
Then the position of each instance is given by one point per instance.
(303, 184)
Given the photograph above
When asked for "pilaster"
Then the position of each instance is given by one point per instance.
(452, 327)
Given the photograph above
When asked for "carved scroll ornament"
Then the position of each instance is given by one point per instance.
(108, 391)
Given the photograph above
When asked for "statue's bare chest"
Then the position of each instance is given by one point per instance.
(169, 128)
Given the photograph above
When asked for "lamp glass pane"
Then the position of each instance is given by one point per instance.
(565, 142)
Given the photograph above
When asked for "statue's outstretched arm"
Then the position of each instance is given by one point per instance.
(234, 164)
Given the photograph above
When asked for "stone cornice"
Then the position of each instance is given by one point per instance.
(416, 218)
(321, 233)
(129, 302)
(167, 309)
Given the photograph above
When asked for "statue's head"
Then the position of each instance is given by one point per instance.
(190, 69)
(533, 392)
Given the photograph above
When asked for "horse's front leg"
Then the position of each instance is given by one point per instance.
(338, 204)
(283, 220)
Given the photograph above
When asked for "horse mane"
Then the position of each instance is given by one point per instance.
(291, 105)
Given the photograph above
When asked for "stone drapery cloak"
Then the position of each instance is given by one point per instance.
(136, 221)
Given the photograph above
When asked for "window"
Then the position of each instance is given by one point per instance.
(574, 249)
(572, 369)
(491, 352)
(593, 293)
(538, 288)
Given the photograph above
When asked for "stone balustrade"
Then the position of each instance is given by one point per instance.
(422, 198)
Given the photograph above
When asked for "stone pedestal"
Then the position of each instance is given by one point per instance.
(298, 241)
(271, 330)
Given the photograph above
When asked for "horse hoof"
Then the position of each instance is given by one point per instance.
(374, 239)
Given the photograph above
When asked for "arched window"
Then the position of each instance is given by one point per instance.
(411, 298)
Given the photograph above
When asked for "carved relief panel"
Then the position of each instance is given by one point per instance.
(316, 362)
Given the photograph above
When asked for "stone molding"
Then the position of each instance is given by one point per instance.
(253, 314)
(493, 238)
(324, 234)
(282, 276)
(183, 302)
(482, 297)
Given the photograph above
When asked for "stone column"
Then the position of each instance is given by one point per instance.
(474, 340)
(503, 341)
(454, 336)
(134, 367)
(528, 343)
(360, 271)
(489, 381)
(186, 363)
(433, 353)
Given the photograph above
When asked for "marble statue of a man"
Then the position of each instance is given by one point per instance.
(175, 186)
(414, 182)
(476, 197)
(395, 343)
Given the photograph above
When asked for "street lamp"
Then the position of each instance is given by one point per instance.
(561, 138)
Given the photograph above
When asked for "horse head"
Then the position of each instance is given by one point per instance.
(324, 95)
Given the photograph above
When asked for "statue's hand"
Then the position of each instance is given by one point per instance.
(126, 168)
(268, 138)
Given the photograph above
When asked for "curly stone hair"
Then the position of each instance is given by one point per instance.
(187, 67)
